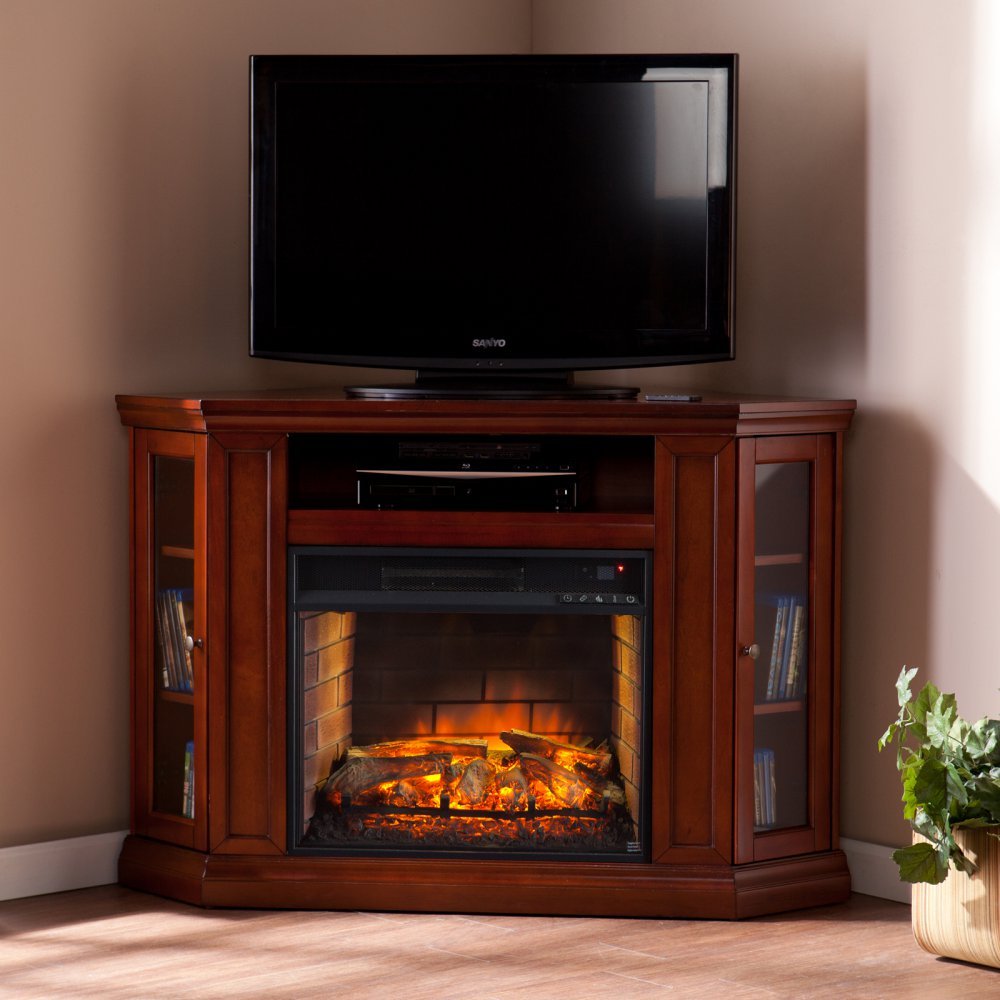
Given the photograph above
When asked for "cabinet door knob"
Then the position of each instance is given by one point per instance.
(753, 651)
(190, 643)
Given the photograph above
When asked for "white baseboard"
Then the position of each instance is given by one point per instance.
(59, 865)
(873, 872)
(80, 862)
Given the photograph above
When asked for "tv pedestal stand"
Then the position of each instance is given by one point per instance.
(736, 501)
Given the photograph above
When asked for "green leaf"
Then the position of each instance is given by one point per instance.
(930, 785)
(917, 731)
(955, 788)
(964, 741)
(910, 772)
(925, 702)
(990, 729)
(961, 862)
(920, 863)
(934, 828)
(975, 823)
(888, 736)
(940, 717)
(986, 791)
(992, 747)
(903, 684)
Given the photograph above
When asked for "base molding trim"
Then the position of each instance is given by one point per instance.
(60, 865)
(478, 885)
(873, 872)
(81, 862)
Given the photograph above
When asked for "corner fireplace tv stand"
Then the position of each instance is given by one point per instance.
(626, 705)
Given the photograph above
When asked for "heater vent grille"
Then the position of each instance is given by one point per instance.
(436, 572)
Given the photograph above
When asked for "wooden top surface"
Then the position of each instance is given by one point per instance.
(331, 411)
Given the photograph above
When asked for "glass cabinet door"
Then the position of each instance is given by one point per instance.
(169, 645)
(785, 701)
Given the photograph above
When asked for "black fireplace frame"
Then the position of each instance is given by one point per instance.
(555, 601)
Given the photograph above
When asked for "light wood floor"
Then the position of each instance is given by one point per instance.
(113, 943)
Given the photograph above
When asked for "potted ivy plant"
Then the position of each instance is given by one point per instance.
(950, 772)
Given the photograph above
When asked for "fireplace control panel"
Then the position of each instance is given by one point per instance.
(629, 599)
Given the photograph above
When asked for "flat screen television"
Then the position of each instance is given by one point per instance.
(495, 222)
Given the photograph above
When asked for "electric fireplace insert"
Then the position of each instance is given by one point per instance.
(469, 701)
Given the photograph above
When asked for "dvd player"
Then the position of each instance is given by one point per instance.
(469, 475)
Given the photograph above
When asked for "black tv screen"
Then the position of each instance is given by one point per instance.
(506, 215)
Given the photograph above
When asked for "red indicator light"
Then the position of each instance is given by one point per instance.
(621, 567)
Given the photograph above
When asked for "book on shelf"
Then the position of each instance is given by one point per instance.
(796, 644)
(786, 673)
(173, 627)
(780, 623)
(765, 788)
(163, 644)
(187, 801)
(758, 789)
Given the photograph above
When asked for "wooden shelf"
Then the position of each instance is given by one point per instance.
(172, 817)
(178, 697)
(177, 552)
(483, 528)
(778, 707)
(781, 559)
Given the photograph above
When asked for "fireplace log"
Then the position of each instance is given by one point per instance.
(514, 778)
(564, 784)
(569, 786)
(404, 794)
(476, 780)
(410, 748)
(592, 761)
(358, 774)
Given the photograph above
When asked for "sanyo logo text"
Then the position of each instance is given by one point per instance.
(489, 342)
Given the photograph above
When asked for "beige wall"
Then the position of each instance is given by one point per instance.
(869, 241)
(866, 251)
(123, 164)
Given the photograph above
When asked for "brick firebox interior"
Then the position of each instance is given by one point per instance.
(379, 676)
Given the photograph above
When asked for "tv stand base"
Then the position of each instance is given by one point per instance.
(566, 888)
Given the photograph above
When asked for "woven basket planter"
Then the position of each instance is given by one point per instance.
(960, 918)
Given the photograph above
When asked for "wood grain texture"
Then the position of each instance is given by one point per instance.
(247, 655)
(476, 885)
(693, 650)
(117, 944)
(469, 528)
(960, 918)
(329, 411)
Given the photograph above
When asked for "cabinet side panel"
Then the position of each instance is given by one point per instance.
(246, 574)
(693, 650)
(835, 645)
(826, 740)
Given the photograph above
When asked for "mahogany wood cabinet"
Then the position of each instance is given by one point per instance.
(736, 499)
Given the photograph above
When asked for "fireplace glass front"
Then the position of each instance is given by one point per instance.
(468, 701)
